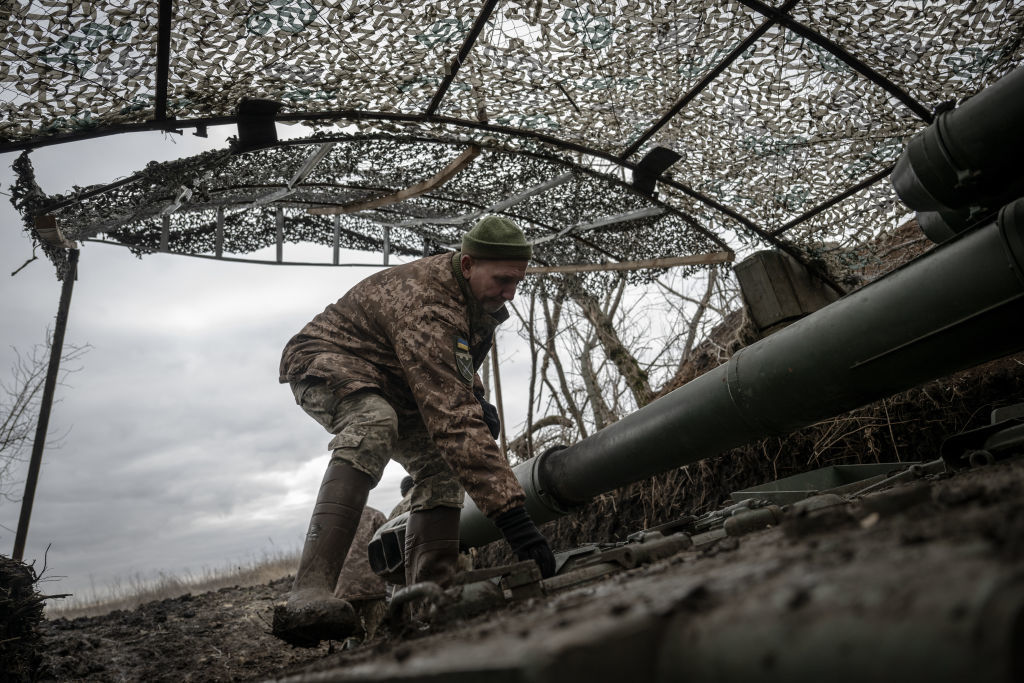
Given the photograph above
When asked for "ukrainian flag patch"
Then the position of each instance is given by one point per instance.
(464, 360)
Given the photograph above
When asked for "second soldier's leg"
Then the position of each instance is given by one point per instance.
(432, 530)
(432, 545)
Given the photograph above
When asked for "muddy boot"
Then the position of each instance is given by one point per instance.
(312, 613)
(432, 545)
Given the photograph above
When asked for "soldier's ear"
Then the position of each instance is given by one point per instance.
(466, 263)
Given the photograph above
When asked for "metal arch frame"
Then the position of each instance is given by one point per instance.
(704, 82)
(781, 15)
(574, 235)
(456, 63)
(362, 115)
(850, 191)
(163, 58)
(553, 160)
(331, 139)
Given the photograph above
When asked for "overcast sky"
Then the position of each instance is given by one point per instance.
(183, 452)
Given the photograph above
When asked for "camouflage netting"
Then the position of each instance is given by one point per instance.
(776, 110)
(563, 220)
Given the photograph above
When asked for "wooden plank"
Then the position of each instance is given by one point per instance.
(183, 196)
(666, 262)
(307, 167)
(49, 232)
(439, 179)
(497, 207)
(310, 163)
(604, 222)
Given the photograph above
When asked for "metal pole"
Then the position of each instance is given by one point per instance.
(50, 385)
(279, 216)
(497, 392)
(165, 232)
(336, 240)
(219, 234)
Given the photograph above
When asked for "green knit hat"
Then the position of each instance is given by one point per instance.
(496, 237)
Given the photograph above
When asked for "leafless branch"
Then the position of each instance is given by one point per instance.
(20, 397)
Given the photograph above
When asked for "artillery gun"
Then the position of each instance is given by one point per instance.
(958, 306)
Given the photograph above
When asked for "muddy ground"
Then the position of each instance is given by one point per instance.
(922, 563)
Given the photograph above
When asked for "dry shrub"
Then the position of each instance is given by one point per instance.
(21, 612)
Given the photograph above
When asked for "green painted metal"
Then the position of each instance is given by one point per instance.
(799, 486)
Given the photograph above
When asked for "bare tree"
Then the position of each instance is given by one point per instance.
(597, 356)
(20, 397)
(608, 335)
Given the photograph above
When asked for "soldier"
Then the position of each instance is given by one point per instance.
(390, 371)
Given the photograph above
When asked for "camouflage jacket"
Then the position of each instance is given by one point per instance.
(416, 335)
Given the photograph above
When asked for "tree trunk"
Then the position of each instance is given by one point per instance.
(625, 362)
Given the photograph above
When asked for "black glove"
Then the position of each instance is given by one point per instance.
(490, 415)
(526, 541)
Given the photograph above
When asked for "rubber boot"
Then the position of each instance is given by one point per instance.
(432, 545)
(312, 613)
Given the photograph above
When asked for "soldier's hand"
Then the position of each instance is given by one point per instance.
(526, 541)
(490, 415)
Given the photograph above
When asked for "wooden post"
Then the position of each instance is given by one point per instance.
(497, 393)
(49, 386)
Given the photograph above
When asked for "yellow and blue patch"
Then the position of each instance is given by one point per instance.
(464, 360)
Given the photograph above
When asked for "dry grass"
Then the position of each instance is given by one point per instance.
(127, 594)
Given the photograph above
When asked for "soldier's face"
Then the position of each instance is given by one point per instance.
(493, 283)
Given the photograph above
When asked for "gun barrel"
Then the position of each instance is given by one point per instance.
(968, 156)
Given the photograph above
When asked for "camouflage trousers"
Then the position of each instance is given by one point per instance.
(367, 434)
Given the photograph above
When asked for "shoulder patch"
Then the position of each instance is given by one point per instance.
(464, 360)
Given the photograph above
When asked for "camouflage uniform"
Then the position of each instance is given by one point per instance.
(390, 370)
